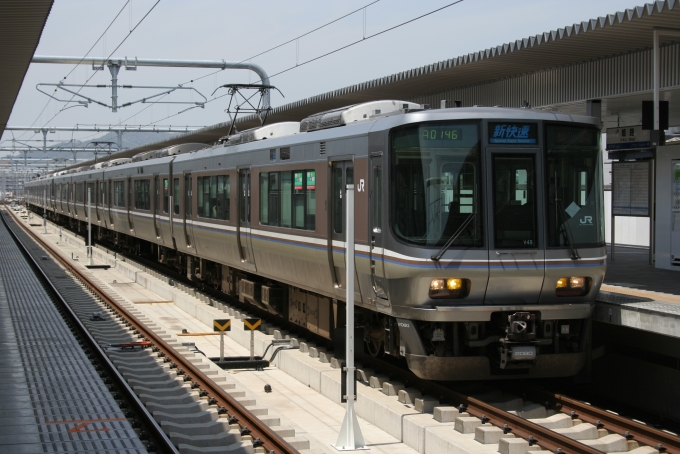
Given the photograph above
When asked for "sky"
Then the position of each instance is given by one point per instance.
(238, 30)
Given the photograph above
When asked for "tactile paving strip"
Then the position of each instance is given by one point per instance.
(51, 399)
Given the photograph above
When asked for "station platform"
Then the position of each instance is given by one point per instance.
(52, 398)
(637, 295)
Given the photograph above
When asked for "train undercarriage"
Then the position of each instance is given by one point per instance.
(508, 345)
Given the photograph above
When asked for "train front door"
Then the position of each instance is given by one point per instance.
(244, 238)
(517, 245)
(342, 174)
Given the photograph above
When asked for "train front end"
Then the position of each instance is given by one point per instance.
(495, 250)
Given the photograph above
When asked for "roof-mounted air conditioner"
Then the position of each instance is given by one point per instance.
(272, 131)
(354, 113)
(119, 161)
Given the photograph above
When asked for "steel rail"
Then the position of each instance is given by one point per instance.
(271, 441)
(532, 432)
(158, 432)
(641, 432)
(523, 428)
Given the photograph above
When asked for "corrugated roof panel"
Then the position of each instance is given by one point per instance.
(21, 24)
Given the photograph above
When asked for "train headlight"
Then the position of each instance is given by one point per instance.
(454, 284)
(571, 286)
(437, 284)
(452, 287)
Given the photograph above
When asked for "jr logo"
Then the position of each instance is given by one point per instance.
(586, 220)
(360, 186)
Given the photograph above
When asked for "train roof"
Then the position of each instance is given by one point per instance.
(349, 121)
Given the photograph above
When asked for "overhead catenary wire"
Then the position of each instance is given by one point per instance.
(106, 59)
(311, 60)
(76, 66)
(296, 39)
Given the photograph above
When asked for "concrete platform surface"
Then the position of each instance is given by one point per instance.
(52, 399)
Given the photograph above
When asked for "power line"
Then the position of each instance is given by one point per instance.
(365, 39)
(290, 40)
(107, 58)
(326, 54)
(247, 59)
(74, 68)
(98, 39)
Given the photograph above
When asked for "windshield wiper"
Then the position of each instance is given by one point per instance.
(453, 238)
(564, 226)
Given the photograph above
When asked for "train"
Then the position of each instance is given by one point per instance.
(479, 231)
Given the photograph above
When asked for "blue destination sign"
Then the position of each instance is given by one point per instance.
(513, 133)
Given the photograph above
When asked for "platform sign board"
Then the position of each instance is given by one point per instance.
(628, 138)
(222, 325)
(630, 188)
(251, 323)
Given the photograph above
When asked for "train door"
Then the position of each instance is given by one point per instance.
(130, 201)
(243, 236)
(157, 194)
(109, 200)
(375, 227)
(517, 251)
(89, 188)
(188, 226)
(342, 174)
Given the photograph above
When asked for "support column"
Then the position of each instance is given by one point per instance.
(350, 437)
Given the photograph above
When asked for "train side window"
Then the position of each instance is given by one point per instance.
(175, 195)
(142, 195)
(310, 207)
(213, 197)
(119, 194)
(285, 153)
(288, 199)
(157, 194)
(80, 193)
(166, 195)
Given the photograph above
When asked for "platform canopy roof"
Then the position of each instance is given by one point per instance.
(21, 24)
(601, 39)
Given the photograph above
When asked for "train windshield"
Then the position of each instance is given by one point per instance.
(435, 184)
(574, 186)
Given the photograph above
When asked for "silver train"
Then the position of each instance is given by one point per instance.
(479, 231)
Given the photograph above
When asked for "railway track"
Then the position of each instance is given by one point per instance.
(249, 426)
(625, 434)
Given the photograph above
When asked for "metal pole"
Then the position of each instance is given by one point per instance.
(45, 212)
(657, 75)
(89, 227)
(221, 345)
(652, 210)
(350, 437)
(252, 344)
(95, 61)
